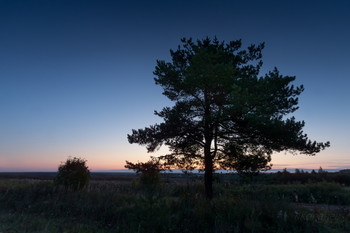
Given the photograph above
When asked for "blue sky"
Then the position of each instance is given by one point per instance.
(76, 76)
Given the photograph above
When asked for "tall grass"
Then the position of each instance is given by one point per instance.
(107, 206)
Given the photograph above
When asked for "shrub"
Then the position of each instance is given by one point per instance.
(149, 170)
(73, 174)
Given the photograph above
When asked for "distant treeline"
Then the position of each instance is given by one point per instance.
(280, 177)
(300, 176)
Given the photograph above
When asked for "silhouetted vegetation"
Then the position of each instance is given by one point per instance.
(225, 115)
(303, 177)
(150, 171)
(73, 174)
(177, 206)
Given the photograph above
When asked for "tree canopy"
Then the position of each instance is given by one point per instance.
(73, 173)
(225, 115)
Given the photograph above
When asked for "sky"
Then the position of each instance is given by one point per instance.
(76, 76)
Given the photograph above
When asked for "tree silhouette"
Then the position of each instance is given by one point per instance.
(149, 170)
(225, 115)
(74, 173)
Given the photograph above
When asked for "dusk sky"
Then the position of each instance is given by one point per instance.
(77, 76)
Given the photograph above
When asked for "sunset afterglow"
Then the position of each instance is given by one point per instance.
(77, 76)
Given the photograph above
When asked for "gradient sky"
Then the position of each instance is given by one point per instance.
(76, 76)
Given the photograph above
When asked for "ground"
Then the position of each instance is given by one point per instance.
(120, 203)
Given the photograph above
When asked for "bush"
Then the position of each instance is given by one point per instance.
(149, 171)
(73, 174)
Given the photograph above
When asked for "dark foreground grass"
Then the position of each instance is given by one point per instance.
(109, 206)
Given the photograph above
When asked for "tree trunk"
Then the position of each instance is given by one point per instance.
(208, 173)
(208, 137)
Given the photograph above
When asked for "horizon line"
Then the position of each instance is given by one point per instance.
(176, 170)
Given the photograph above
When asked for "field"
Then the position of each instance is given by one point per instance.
(281, 202)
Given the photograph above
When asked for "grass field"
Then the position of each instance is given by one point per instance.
(121, 204)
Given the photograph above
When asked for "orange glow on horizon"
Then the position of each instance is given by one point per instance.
(112, 161)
